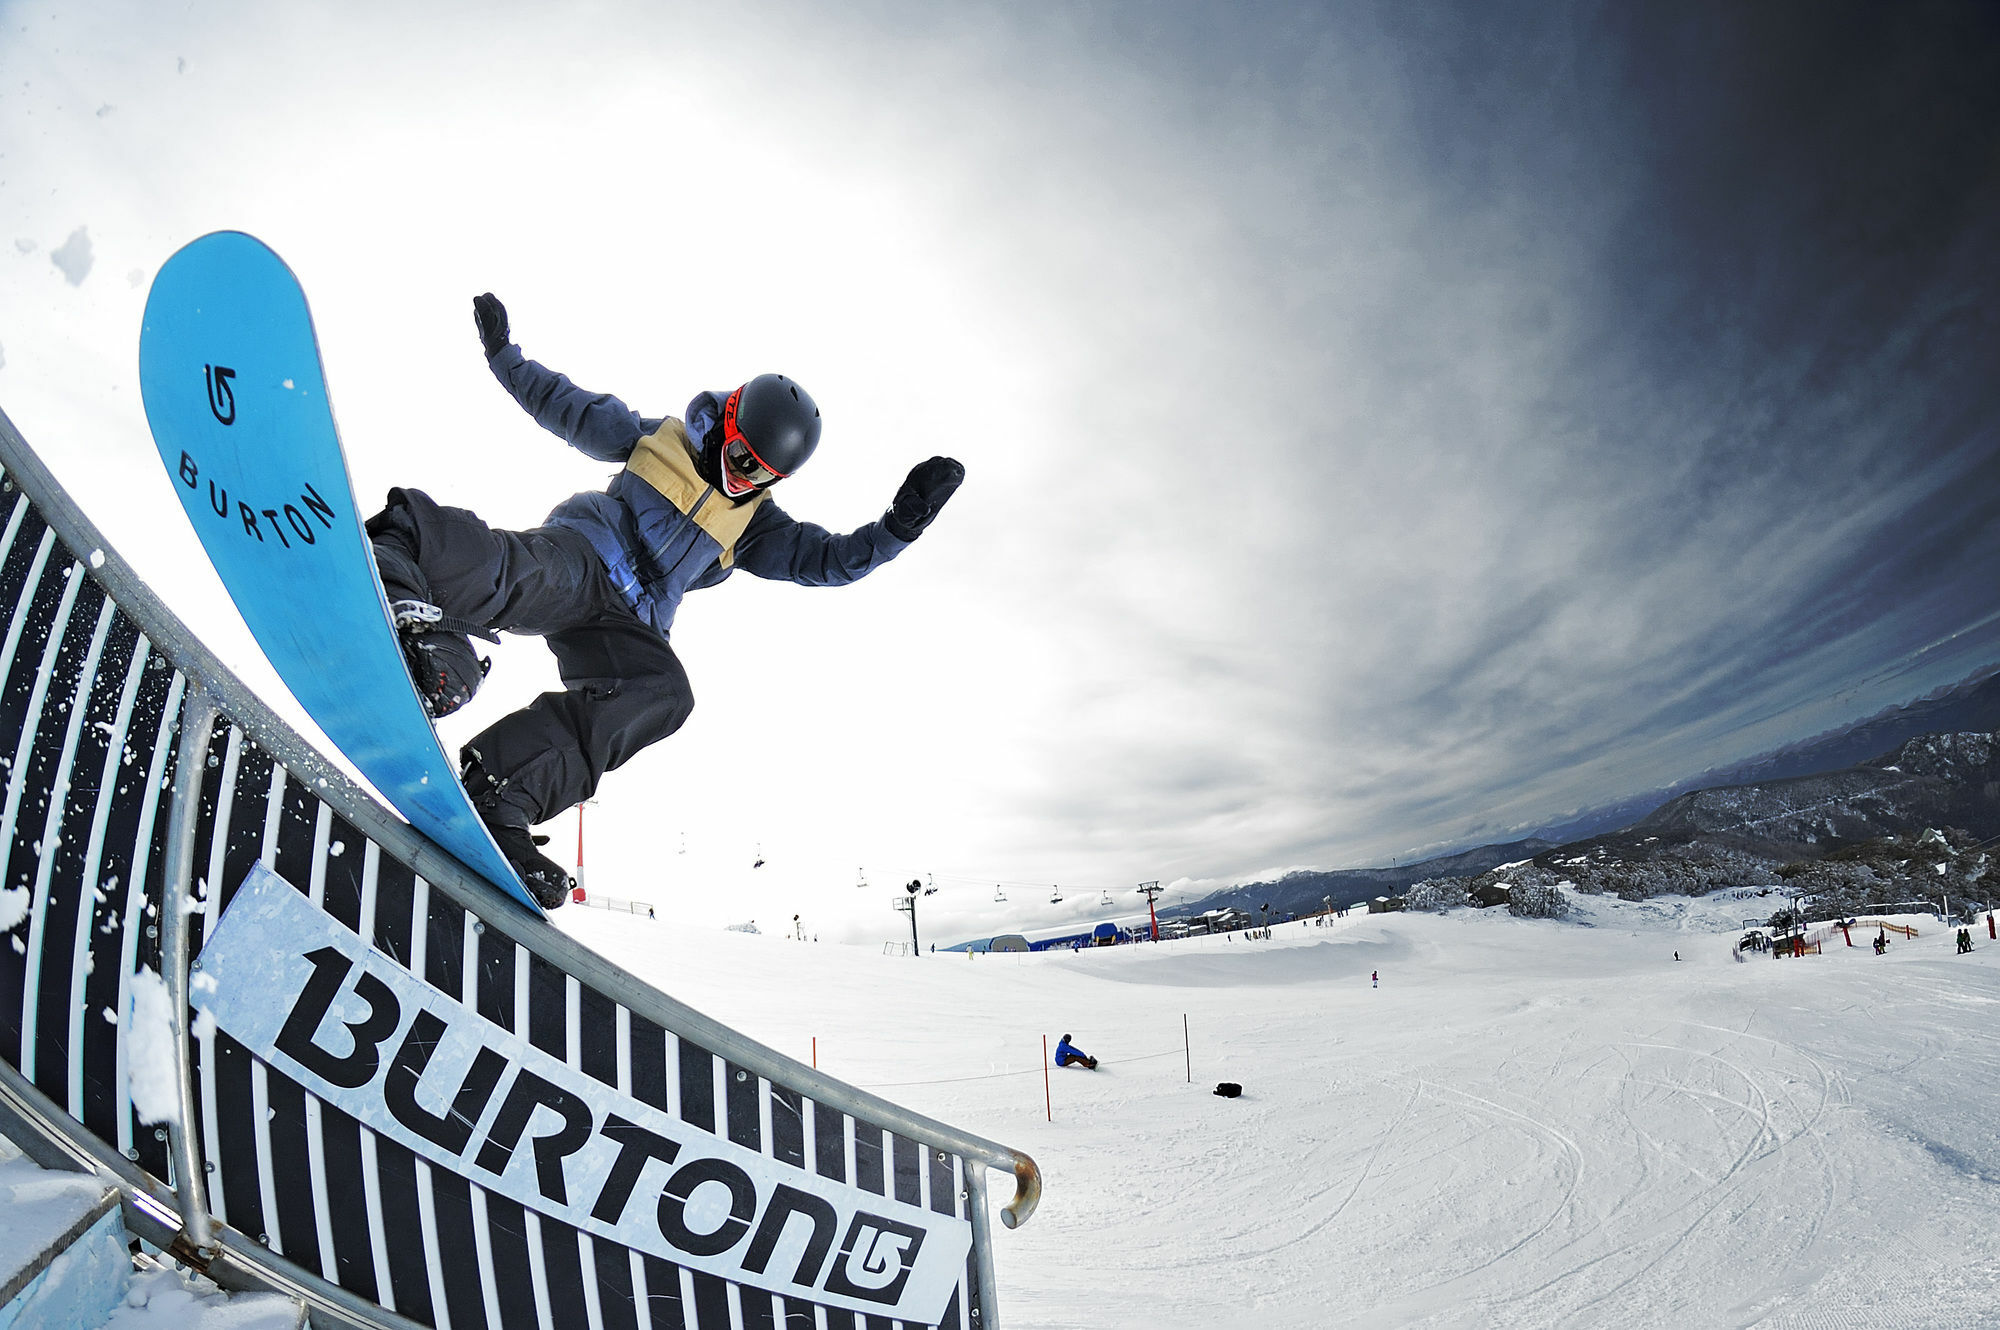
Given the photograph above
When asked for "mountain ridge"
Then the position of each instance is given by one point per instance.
(1841, 786)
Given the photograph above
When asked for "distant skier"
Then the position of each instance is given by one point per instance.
(1964, 940)
(1069, 1055)
(601, 579)
(1374, 978)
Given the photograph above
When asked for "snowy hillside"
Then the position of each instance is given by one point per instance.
(1724, 834)
(1935, 780)
(1529, 1123)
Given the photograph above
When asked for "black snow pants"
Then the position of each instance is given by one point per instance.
(623, 686)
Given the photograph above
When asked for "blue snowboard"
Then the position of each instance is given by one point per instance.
(229, 369)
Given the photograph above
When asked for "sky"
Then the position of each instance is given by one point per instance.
(1388, 428)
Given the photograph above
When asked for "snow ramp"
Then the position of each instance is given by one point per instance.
(318, 1057)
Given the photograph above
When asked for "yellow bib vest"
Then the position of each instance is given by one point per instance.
(664, 459)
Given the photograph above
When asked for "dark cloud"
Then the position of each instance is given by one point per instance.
(1684, 310)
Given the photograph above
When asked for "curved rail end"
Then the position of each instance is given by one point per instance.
(1027, 1192)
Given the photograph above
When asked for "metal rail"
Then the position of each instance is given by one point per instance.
(198, 713)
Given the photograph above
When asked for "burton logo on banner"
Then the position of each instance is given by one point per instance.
(310, 997)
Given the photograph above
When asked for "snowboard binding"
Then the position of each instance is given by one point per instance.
(443, 665)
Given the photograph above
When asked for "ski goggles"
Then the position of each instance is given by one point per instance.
(738, 456)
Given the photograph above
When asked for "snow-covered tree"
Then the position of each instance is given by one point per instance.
(1934, 866)
(1437, 893)
(1538, 900)
(1686, 870)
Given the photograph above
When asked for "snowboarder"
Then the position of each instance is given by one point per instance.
(1069, 1055)
(601, 579)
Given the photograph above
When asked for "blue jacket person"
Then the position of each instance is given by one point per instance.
(602, 578)
(1069, 1055)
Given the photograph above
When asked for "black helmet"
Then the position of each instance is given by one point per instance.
(776, 419)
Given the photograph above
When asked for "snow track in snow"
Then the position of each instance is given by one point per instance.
(1530, 1124)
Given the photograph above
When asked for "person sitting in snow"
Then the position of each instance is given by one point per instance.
(1069, 1055)
(601, 579)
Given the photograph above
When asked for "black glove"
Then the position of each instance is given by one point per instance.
(490, 317)
(929, 484)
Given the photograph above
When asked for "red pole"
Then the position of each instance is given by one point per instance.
(1154, 915)
(1989, 923)
(1048, 1099)
(815, 1052)
(1849, 936)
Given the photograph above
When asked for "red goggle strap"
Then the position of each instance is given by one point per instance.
(731, 434)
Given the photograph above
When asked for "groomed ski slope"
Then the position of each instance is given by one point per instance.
(1531, 1123)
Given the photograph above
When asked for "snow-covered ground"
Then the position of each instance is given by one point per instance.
(1530, 1123)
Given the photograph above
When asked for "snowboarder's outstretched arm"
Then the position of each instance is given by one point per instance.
(595, 424)
(779, 547)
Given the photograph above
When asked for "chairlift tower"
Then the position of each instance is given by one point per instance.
(908, 905)
(1151, 891)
